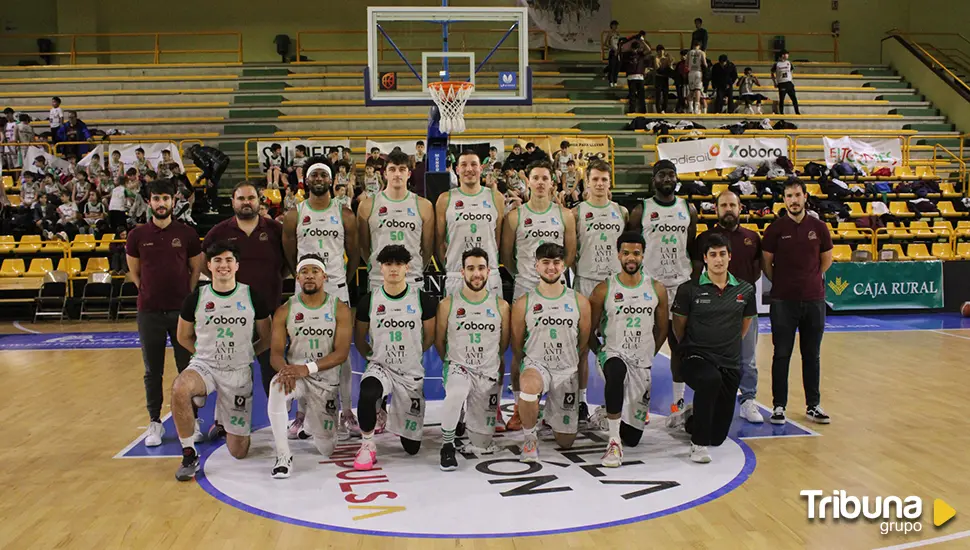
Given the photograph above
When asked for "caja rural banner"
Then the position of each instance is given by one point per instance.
(868, 154)
(313, 147)
(713, 153)
(153, 153)
(580, 147)
(884, 285)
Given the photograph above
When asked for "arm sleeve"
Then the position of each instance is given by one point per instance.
(189, 306)
(825, 244)
(682, 299)
(429, 306)
(259, 304)
(769, 240)
(131, 245)
(774, 68)
(363, 308)
(750, 302)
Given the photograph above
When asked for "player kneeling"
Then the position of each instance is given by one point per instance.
(311, 340)
(630, 310)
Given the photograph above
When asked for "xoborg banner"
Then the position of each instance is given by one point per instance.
(709, 154)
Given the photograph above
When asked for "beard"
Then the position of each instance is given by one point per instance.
(245, 213)
(666, 188)
(729, 221)
(795, 208)
(551, 281)
(475, 284)
(319, 189)
(311, 289)
(627, 268)
(161, 213)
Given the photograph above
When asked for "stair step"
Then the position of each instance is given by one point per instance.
(909, 97)
(266, 72)
(929, 127)
(249, 129)
(254, 113)
(874, 72)
(270, 85)
(915, 112)
(258, 99)
(878, 84)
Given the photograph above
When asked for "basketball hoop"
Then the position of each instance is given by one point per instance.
(450, 97)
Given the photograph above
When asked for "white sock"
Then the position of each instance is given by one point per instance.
(367, 438)
(582, 395)
(346, 381)
(276, 411)
(679, 391)
(529, 431)
(614, 428)
(188, 443)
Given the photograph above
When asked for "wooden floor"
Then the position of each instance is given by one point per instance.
(898, 400)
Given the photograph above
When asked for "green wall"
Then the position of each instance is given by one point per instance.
(928, 83)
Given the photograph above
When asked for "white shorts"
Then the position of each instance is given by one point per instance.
(586, 286)
(695, 80)
(405, 416)
(561, 390)
(338, 289)
(234, 389)
(375, 280)
(671, 294)
(636, 391)
(454, 283)
(482, 400)
(321, 406)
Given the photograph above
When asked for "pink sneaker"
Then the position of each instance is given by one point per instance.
(366, 456)
(381, 422)
(293, 432)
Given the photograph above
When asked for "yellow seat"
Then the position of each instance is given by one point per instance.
(903, 172)
(701, 227)
(96, 265)
(947, 211)
(15, 200)
(39, 267)
(12, 267)
(921, 230)
(900, 256)
(752, 226)
(942, 228)
(7, 244)
(8, 182)
(919, 252)
(926, 172)
(867, 248)
(688, 176)
(29, 244)
(71, 266)
(900, 210)
(719, 188)
(855, 209)
(898, 231)
(777, 207)
(842, 253)
(942, 251)
(55, 247)
(710, 175)
(814, 189)
(83, 243)
(963, 229)
(105, 243)
(948, 191)
(272, 196)
(848, 230)
(963, 251)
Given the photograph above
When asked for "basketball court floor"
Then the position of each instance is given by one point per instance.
(77, 475)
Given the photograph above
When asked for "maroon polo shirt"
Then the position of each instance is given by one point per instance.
(163, 256)
(797, 248)
(261, 255)
(745, 252)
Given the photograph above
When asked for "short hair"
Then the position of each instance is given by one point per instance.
(683, 52)
(394, 254)
(166, 152)
(131, 172)
(614, 22)
(795, 182)
(493, 148)
(375, 149)
(599, 165)
(783, 52)
(570, 162)
(244, 183)
(399, 157)
(717, 199)
(519, 145)
(41, 158)
(661, 47)
(56, 98)
(275, 146)
(530, 144)
(220, 247)
(163, 186)
(116, 151)
(24, 117)
(301, 148)
(715, 239)
(722, 57)
(8, 110)
(475, 252)
(344, 165)
(633, 237)
(140, 150)
(81, 173)
(539, 164)
(747, 69)
(564, 143)
(698, 20)
(550, 251)
(419, 142)
(468, 152)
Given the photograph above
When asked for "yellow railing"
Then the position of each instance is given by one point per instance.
(66, 46)
(41, 144)
(930, 58)
(759, 43)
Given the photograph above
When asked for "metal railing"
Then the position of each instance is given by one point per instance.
(934, 63)
(66, 46)
(759, 43)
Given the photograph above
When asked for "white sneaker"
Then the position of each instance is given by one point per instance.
(348, 426)
(530, 449)
(598, 420)
(613, 458)
(545, 432)
(154, 434)
(699, 454)
(283, 467)
(749, 411)
(197, 434)
(679, 418)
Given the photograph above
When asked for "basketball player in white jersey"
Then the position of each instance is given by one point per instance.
(396, 216)
(599, 222)
(550, 341)
(630, 311)
(538, 221)
(471, 335)
(319, 225)
(217, 325)
(395, 325)
(469, 216)
(311, 340)
(696, 66)
(669, 226)
(781, 76)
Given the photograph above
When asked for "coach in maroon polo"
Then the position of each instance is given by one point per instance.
(260, 241)
(745, 265)
(797, 253)
(164, 259)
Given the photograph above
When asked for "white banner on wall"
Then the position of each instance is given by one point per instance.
(868, 154)
(33, 152)
(153, 153)
(573, 26)
(313, 148)
(710, 154)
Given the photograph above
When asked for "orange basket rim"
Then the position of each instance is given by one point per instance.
(448, 85)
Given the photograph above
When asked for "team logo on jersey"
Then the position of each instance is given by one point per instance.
(263, 237)
(589, 215)
(298, 318)
(614, 215)
(382, 211)
(568, 308)
(306, 220)
(812, 236)
(528, 222)
(618, 297)
(486, 204)
(460, 313)
(748, 241)
(327, 317)
(331, 406)
(380, 309)
(410, 309)
(415, 405)
(411, 212)
(240, 306)
(176, 243)
(489, 312)
(681, 216)
(240, 402)
(537, 308)
(647, 296)
(210, 306)
(654, 215)
(569, 401)
(740, 298)
(459, 205)
(554, 221)
(334, 220)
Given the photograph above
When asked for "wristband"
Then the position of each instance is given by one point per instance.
(312, 367)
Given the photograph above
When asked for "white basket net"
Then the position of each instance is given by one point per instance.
(450, 97)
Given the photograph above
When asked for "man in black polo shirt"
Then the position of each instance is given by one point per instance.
(164, 259)
(797, 253)
(745, 265)
(711, 316)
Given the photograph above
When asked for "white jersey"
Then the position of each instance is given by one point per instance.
(274, 162)
(695, 60)
(474, 334)
(533, 229)
(665, 230)
(311, 333)
(56, 116)
(395, 222)
(469, 222)
(563, 160)
(552, 330)
(397, 332)
(598, 229)
(747, 85)
(627, 325)
(224, 328)
(783, 70)
(321, 232)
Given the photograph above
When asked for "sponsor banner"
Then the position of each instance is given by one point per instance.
(33, 152)
(582, 148)
(65, 341)
(884, 285)
(572, 26)
(868, 154)
(153, 153)
(313, 148)
(691, 156)
(713, 153)
(742, 7)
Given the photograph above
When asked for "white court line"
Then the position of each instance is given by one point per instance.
(138, 440)
(953, 335)
(18, 326)
(927, 542)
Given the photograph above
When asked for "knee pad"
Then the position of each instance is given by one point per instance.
(371, 390)
(411, 446)
(629, 435)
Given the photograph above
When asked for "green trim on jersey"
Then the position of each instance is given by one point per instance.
(403, 296)
(299, 296)
(525, 339)
(467, 301)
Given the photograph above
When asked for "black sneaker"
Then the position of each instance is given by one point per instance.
(216, 432)
(583, 415)
(817, 415)
(190, 465)
(449, 462)
(778, 416)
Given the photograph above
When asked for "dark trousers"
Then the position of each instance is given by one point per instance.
(638, 103)
(153, 328)
(613, 67)
(787, 88)
(722, 96)
(809, 319)
(715, 389)
(660, 87)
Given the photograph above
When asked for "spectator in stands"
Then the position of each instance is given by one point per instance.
(29, 189)
(346, 157)
(289, 200)
(184, 201)
(373, 182)
(94, 215)
(213, 163)
(518, 160)
(418, 152)
(80, 187)
(45, 216)
(56, 118)
(635, 63)
(340, 195)
(69, 217)
(264, 211)
(344, 175)
(781, 76)
(11, 153)
(662, 70)
(699, 34)
(118, 262)
(118, 205)
(611, 42)
(23, 133)
(297, 164)
(52, 188)
(746, 84)
(561, 159)
(490, 160)
(274, 166)
(723, 76)
(94, 169)
(165, 167)
(452, 175)
(535, 153)
(376, 160)
(681, 70)
(573, 185)
(141, 164)
(74, 130)
(116, 167)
